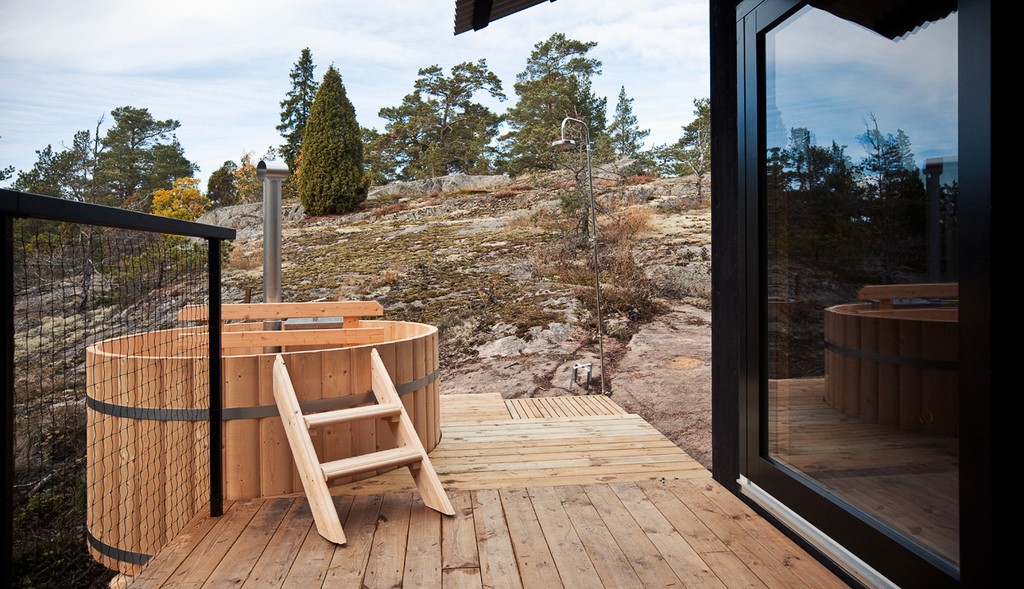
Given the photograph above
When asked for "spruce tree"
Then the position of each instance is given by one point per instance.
(333, 179)
(296, 106)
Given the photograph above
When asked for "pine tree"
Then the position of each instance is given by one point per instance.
(333, 179)
(295, 108)
(555, 84)
(695, 144)
(140, 154)
(68, 174)
(220, 188)
(626, 136)
(380, 157)
(440, 129)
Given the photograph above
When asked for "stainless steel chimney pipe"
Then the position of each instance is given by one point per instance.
(272, 174)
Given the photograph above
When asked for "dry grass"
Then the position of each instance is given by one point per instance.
(384, 278)
(626, 224)
(626, 291)
(389, 209)
(512, 190)
(639, 179)
(240, 259)
(548, 220)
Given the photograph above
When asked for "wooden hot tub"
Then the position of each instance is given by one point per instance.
(896, 364)
(148, 454)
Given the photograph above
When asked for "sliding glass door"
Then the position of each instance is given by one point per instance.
(850, 117)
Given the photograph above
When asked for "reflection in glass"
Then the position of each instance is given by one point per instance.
(860, 179)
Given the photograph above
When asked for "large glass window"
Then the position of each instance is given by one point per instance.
(859, 205)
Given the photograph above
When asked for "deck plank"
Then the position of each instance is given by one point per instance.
(350, 561)
(669, 539)
(282, 548)
(595, 498)
(567, 550)
(536, 566)
(513, 409)
(476, 452)
(467, 408)
(240, 560)
(611, 563)
(562, 407)
(314, 556)
(773, 573)
(498, 567)
(782, 548)
(215, 545)
(423, 556)
(174, 554)
(582, 450)
(733, 571)
(461, 578)
(387, 555)
(647, 561)
(458, 547)
(698, 535)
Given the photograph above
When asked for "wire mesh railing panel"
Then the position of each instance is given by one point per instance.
(111, 437)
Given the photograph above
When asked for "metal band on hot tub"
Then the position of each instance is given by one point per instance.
(253, 412)
(895, 359)
(115, 552)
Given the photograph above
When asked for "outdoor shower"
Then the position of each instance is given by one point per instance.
(566, 144)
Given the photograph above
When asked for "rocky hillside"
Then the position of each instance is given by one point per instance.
(506, 274)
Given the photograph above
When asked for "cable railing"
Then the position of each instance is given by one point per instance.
(110, 414)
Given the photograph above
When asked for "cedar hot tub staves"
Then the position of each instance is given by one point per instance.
(327, 349)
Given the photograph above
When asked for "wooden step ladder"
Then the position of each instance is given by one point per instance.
(315, 475)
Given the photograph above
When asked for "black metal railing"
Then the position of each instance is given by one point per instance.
(111, 404)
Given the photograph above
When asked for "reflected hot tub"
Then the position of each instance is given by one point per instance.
(896, 363)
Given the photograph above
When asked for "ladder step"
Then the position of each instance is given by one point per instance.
(353, 414)
(375, 460)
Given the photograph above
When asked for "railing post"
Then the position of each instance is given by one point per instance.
(7, 357)
(216, 384)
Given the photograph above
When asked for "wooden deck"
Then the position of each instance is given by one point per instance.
(908, 480)
(551, 492)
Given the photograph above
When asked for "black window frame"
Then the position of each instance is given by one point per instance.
(740, 302)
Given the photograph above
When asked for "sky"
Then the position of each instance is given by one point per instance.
(221, 67)
(831, 77)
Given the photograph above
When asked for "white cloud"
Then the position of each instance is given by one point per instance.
(221, 68)
(833, 77)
